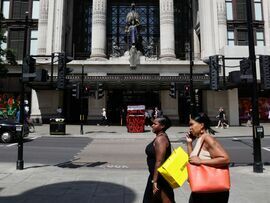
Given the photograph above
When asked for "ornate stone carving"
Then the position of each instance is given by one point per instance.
(221, 13)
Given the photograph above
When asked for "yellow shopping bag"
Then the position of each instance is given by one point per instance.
(174, 169)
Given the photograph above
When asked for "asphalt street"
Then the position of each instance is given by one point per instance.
(107, 164)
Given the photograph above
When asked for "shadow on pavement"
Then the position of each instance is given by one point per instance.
(71, 164)
(77, 191)
(99, 131)
(39, 166)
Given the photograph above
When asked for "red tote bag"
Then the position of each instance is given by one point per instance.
(207, 179)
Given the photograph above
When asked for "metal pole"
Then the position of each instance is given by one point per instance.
(191, 62)
(20, 162)
(52, 58)
(81, 100)
(257, 165)
(224, 72)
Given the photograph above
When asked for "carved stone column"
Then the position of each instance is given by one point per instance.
(42, 26)
(222, 23)
(207, 31)
(99, 30)
(55, 32)
(167, 43)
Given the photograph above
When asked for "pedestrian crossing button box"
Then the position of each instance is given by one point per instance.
(259, 132)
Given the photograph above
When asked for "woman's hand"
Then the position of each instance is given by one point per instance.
(155, 188)
(195, 160)
(189, 137)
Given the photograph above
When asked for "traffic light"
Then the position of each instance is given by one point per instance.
(213, 72)
(61, 78)
(265, 71)
(245, 70)
(63, 70)
(173, 90)
(29, 68)
(86, 91)
(100, 91)
(187, 90)
(76, 90)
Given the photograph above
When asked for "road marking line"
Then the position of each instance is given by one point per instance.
(10, 145)
(266, 148)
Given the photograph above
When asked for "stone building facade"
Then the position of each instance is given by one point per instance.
(88, 29)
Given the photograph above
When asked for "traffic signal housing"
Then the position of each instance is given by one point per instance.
(245, 70)
(29, 69)
(76, 90)
(63, 70)
(86, 91)
(265, 71)
(41, 75)
(214, 72)
(187, 90)
(100, 91)
(173, 90)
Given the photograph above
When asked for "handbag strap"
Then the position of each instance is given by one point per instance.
(200, 148)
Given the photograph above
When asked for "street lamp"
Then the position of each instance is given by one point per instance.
(20, 162)
(191, 62)
(257, 165)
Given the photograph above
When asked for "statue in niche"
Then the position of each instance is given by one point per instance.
(116, 52)
(132, 26)
(132, 30)
(150, 50)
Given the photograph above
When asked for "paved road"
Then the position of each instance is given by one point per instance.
(72, 152)
(86, 183)
(45, 150)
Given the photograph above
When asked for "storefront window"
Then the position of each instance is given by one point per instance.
(33, 42)
(260, 38)
(5, 8)
(258, 9)
(237, 22)
(230, 38)
(229, 10)
(35, 9)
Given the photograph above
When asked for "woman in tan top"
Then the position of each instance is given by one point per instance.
(211, 154)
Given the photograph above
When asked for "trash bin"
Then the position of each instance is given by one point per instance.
(57, 126)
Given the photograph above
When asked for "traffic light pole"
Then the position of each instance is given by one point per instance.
(81, 101)
(257, 165)
(20, 162)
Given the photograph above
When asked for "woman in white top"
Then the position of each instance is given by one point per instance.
(211, 154)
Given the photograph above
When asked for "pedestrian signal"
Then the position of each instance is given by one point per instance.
(173, 90)
(100, 91)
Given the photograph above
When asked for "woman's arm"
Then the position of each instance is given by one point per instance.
(219, 156)
(160, 145)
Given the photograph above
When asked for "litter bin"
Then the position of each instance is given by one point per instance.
(57, 126)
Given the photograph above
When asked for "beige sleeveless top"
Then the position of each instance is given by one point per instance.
(203, 154)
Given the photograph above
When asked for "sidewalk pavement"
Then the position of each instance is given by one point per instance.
(52, 184)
